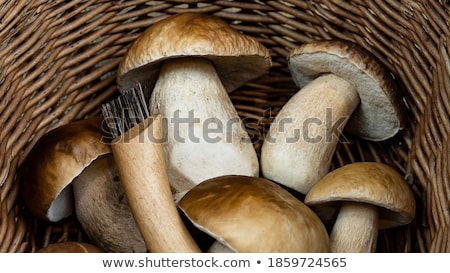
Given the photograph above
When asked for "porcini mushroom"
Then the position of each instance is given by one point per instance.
(187, 63)
(71, 169)
(366, 197)
(102, 208)
(252, 214)
(70, 247)
(342, 85)
(52, 164)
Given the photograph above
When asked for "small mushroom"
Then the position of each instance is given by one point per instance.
(343, 85)
(70, 247)
(52, 164)
(103, 210)
(252, 214)
(188, 63)
(366, 197)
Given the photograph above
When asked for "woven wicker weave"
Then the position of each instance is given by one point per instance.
(58, 61)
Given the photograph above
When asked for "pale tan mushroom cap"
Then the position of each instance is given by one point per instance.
(55, 160)
(251, 214)
(366, 182)
(381, 113)
(237, 58)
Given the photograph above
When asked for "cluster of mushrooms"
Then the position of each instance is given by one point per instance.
(219, 185)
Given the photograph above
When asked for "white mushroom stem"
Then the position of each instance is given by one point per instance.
(206, 137)
(298, 149)
(356, 229)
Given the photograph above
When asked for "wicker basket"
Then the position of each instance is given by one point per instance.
(58, 63)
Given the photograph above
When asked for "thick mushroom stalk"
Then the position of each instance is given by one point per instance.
(306, 131)
(355, 229)
(103, 210)
(201, 117)
(141, 166)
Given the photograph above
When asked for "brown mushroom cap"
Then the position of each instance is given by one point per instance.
(251, 214)
(55, 160)
(236, 57)
(381, 113)
(70, 247)
(366, 182)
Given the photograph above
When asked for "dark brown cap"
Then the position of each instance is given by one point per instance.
(55, 160)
